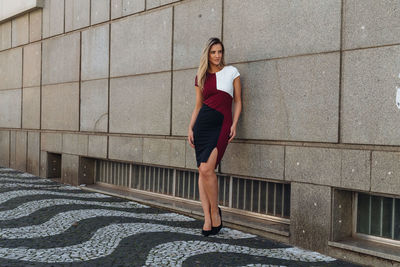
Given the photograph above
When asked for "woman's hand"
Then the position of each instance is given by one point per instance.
(232, 134)
(190, 138)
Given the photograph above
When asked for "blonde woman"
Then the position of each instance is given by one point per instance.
(211, 127)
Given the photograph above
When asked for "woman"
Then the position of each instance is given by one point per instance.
(211, 127)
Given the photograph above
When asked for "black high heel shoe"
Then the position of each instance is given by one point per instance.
(206, 233)
(215, 230)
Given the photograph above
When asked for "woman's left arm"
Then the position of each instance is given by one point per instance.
(237, 106)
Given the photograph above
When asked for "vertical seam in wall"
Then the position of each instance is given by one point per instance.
(9, 148)
(64, 17)
(29, 27)
(80, 79)
(172, 70)
(109, 11)
(90, 12)
(222, 20)
(109, 85)
(284, 163)
(41, 84)
(340, 72)
(370, 170)
(26, 152)
(22, 83)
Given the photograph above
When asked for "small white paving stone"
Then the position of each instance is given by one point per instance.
(32, 206)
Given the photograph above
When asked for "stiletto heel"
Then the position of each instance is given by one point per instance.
(215, 230)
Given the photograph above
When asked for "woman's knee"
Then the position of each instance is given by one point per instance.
(205, 170)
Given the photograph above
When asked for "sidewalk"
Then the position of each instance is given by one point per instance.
(44, 223)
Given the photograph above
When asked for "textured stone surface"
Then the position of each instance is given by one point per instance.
(53, 17)
(97, 146)
(61, 59)
(134, 107)
(183, 100)
(20, 150)
(157, 3)
(369, 111)
(135, 43)
(77, 14)
(20, 30)
(5, 148)
(5, 35)
(284, 28)
(13, 141)
(100, 11)
(254, 160)
(371, 23)
(69, 169)
(300, 165)
(35, 25)
(355, 169)
(60, 107)
(31, 108)
(342, 212)
(10, 108)
(94, 105)
(289, 101)
(310, 216)
(125, 148)
(167, 152)
(95, 53)
(190, 162)
(51, 142)
(11, 69)
(33, 153)
(32, 65)
(75, 144)
(194, 23)
(120, 8)
(385, 172)
(43, 164)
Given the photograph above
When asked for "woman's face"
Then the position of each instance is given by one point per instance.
(215, 54)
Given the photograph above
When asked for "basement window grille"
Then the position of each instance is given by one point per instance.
(378, 216)
(252, 195)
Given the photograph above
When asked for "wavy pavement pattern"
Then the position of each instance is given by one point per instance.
(24, 185)
(25, 180)
(104, 241)
(6, 196)
(64, 220)
(32, 206)
(175, 253)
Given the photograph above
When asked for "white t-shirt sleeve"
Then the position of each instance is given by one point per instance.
(235, 73)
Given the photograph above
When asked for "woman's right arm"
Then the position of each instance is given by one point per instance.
(199, 103)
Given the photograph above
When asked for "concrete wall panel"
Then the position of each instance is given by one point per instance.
(125, 148)
(134, 107)
(53, 17)
(355, 170)
(20, 30)
(183, 100)
(11, 69)
(51, 142)
(94, 105)
(310, 216)
(10, 108)
(371, 23)
(43, 164)
(190, 162)
(135, 44)
(279, 28)
(100, 11)
(120, 8)
(31, 108)
(194, 23)
(283, 100)
(77, 14)
(157, 3)
(21, 141)
(5, 35)
(97, 146)
(75, 144)
(300, 165)
(13, 154)
(32, 163)
(370, 77)
(254, 160)
(95, 53)
(32, 65)
(5, 148)
(60, 107)
(69, 169)
(61, 59)
(385, 172)
(35, 25)
(166, 152)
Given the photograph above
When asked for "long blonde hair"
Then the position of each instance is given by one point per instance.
(203, 67)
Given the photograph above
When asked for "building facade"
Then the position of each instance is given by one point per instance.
(101, 92)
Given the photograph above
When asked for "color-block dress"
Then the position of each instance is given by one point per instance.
(214, 121)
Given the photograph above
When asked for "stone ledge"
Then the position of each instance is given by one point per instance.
(372, 248)
(274, 230)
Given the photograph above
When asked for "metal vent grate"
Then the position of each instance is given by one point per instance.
(257, 196)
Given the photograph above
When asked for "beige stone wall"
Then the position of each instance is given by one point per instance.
(113, 79)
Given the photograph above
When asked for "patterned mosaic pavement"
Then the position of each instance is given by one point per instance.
(43, 223)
